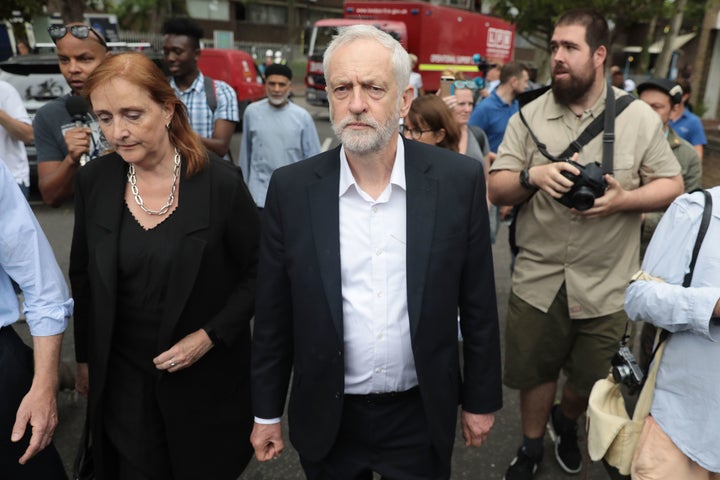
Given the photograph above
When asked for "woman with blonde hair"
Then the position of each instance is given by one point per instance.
(163, 266)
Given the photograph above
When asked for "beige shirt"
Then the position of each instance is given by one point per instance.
(594, 257)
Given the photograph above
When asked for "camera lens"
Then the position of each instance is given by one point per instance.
(620, 373)
(583, 199)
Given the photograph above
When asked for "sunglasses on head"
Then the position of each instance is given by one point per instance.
(78, 31)
(465, 84)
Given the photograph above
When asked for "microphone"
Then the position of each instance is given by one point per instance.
(77, 107)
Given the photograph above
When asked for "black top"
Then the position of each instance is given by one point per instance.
(144, 261)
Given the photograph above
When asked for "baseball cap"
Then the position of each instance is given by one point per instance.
(668, 87)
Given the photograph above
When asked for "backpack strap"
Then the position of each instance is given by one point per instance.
(480, 136)
(210, 93)
(704, 224)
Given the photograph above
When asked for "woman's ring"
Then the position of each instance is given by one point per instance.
(172, 364)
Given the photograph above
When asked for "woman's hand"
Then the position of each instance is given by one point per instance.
(185, 352)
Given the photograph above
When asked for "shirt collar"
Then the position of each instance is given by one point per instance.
(198, 84)
(397, 176)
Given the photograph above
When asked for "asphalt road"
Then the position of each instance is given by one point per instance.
(487, 462)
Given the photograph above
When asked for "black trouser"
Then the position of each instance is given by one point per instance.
(16, 374)
(384, 434)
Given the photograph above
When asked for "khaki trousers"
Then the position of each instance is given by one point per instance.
(657, 458)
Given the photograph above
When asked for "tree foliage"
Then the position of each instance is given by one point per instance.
(27, 8)
(147, 15)
(534, 19)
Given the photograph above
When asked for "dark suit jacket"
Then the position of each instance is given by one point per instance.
(299, 321)
(206, 407)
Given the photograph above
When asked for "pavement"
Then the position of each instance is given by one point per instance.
(486, 462)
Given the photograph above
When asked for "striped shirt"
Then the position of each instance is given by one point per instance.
(202, 118)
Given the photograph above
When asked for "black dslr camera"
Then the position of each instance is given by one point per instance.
(587, 186)
(625, 369)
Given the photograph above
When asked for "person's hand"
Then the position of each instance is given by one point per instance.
(506, 212)
(185, 352)
(82, 379)
(476, 427)
(39, 410)
(450, 101)
(78, 142)
(267, 441)
(549, 178)
(609, 203)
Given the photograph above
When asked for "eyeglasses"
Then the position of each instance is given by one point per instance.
(415, 134)
(78, 31)
(465, 84)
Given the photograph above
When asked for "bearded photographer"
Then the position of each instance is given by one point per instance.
(576, 252)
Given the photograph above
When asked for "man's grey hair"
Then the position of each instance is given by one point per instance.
(400, 60)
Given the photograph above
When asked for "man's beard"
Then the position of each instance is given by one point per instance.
(570, 90)
(278, 101)
(367, 141)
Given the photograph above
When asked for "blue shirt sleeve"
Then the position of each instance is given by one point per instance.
(310, 139)
(27, 258)
(667, 303)
(227, 104)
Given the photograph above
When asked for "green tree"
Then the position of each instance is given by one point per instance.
(27, 8)
(147, 15)
(534, 19)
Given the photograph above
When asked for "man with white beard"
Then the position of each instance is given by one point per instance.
(367, 253)
(276, 132)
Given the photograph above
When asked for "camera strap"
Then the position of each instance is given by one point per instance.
(605, 122)
(613, 105)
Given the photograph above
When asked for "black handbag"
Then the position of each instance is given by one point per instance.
(84, 466)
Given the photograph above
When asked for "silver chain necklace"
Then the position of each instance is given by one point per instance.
(132, 180)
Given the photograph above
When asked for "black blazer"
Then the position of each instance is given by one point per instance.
(299, 322)
(206, 407)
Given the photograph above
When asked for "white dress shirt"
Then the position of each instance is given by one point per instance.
(376, 326)
(378, 352)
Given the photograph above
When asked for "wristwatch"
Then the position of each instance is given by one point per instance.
(525, 179)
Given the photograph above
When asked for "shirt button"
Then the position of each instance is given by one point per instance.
(337, 395)
(378, 252)
(378, 370)
(374, 209)
(379, 336)
(379, 294)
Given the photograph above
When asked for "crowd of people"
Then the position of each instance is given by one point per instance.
(203, 294)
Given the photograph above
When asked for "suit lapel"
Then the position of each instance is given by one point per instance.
(421, 211)
(324, 218)
(109, 204)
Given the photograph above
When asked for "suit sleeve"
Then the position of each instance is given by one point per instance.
(482, 386)
(242, 235)
(79, 276)
(272, 353)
